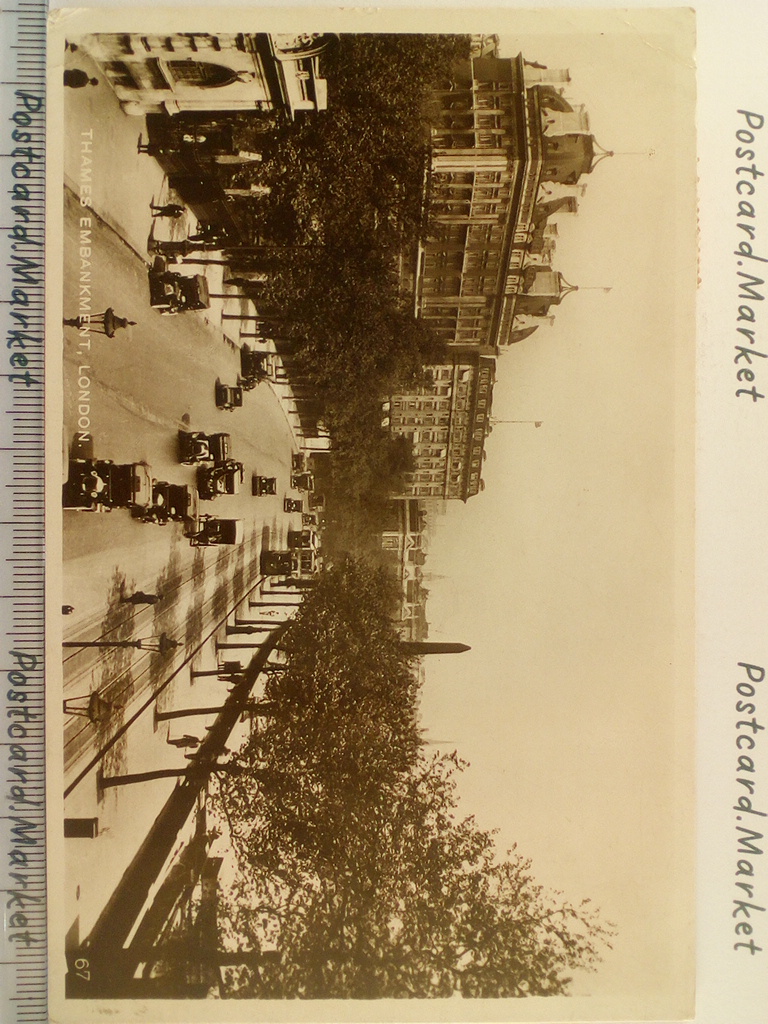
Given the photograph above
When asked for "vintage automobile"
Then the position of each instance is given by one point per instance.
(261, 485)
(170, 503)
(303, 481)
(299, 462)
(221, 478)
(205, 530)
(228, 396)
(293, 505)
(253, 368)
(298, 563)
(195, 446)
(310, 519)
(305, 539)
(98, 485)
(171, 292)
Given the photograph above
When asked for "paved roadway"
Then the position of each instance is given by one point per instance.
(142, 387)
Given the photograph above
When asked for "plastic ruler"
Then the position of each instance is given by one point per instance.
(23, 936)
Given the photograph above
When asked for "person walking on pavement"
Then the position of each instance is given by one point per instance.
(166, 210)
(76, 78)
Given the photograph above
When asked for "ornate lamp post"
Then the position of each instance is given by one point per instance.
(161, 644)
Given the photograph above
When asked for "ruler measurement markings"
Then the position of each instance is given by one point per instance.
(24, 64)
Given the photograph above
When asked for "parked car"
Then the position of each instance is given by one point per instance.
(171, 292)
(293, 505)
(261, 485)
(228, 396)
(253, 368)
(221, 478)
(170, 503)
(303, 481)
(98, 485)
(205, 530)
(195, 446)
(297, 563)
(302, 539)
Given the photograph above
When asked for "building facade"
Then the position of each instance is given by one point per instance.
(405, 540)
(203, 71)
(447, 421)
(507, 154)
(503, 136)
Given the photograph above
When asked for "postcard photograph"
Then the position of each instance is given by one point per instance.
(370, 447)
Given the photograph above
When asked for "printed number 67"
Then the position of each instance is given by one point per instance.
(81, 967)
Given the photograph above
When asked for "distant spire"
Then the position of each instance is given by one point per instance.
(420, 647)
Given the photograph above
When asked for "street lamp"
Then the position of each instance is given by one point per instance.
(161, 644)
(107, 322)
(92, 706)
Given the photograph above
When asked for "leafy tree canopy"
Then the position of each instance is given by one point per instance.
(350, 840)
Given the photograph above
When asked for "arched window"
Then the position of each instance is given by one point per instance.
(203, 74)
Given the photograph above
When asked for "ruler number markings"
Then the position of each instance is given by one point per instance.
(23, 973)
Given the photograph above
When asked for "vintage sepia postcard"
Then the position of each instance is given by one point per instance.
(370, 365)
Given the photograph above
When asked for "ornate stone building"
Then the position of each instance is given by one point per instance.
(447, 422)
(503, 136)
(508, 152)
(405, 540)
(203, 71)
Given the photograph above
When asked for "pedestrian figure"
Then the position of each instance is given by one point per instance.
(107, 323)
(166, 210)
(172, 247)
(139, 597)
(183, 741)
(76, 78)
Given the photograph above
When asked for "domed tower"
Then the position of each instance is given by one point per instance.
(542, 287)
(567, 157)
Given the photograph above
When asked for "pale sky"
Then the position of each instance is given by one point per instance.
(561, 575)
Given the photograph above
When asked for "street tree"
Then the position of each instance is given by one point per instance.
(350, 840)
(343, 204)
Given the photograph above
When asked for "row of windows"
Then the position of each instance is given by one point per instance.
(440, 178)
(429, 402)
(425, 491)
(421, 419)
(468, 209)
(446, 139)
(486, 259)
(470, 197)
(438, 260)
(421, 478)
(462, 102)
(451, 309)
(477, 118)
